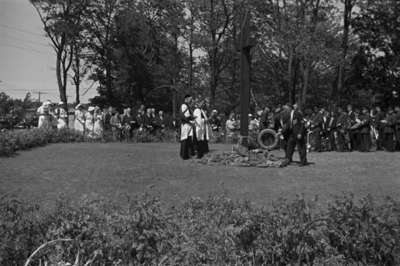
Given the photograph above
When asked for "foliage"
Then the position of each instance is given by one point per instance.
(17, 140)
(216, 231)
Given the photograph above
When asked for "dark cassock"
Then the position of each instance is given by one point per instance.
(297, 136)
(187, 132)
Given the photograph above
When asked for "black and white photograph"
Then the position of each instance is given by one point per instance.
(199, 132)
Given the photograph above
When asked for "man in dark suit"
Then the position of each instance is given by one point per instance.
(297, 136)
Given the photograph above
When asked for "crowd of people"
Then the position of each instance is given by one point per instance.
(94, 122)
(337, 129)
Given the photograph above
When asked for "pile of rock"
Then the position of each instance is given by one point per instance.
(253, 158)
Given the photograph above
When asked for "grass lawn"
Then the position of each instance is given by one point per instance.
(115, 170)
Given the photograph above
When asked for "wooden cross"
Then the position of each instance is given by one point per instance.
(245, 62)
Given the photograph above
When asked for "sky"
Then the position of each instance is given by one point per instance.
(27, 61)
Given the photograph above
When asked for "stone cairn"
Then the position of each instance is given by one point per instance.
(241, 157)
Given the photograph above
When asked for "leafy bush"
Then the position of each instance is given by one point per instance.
(216, 231)
(13, 141)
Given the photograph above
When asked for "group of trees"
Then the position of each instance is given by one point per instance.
(153, 51)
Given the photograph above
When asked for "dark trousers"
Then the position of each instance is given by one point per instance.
(354, 140)
(379, 141)
(332, 140)
(365, 144)
(292, 142)
(187, 148)
(341, 141)
(388, 141)
(317, 138)
(397, 144)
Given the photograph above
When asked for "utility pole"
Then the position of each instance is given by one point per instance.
(40, 93)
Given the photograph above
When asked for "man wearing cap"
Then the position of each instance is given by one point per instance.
(187, 130)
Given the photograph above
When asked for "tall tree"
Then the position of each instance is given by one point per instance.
(62, 23)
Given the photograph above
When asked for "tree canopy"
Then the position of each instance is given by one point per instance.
(314, 52)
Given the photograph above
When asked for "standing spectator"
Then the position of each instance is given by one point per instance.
(365, 133)
(389, 130)
(116, 126)
(215, 121)
(253, 123)
(341, 130)
(352, 128)
(265, 118)
(107, 117)
(149, 121)
(140, 117)
(98, 123)
(44, 115)
(397, 127)
(89, 122)
(127, 121)
(379, 117)
(79, 124)
(62, 116)
(317, 128)
(331, 130)
(160, 123)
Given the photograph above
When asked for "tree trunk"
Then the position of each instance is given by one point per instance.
(290, 75)
(306, 81)
(191, 54)
(348, 6)
(77, 78)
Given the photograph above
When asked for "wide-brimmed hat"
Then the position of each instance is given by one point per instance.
(91, 108)
(61, 103)
(78, 106)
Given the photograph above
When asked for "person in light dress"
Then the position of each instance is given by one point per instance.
(79, 123)
(44, 115)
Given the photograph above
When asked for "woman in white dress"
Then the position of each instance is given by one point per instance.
(98, 123)
(62, 116)
(79, 124)
(89, 122)
(44, 115)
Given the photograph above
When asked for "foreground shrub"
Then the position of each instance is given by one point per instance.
(216, 231)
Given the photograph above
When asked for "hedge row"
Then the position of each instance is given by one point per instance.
(216, 231)
(17, 140)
